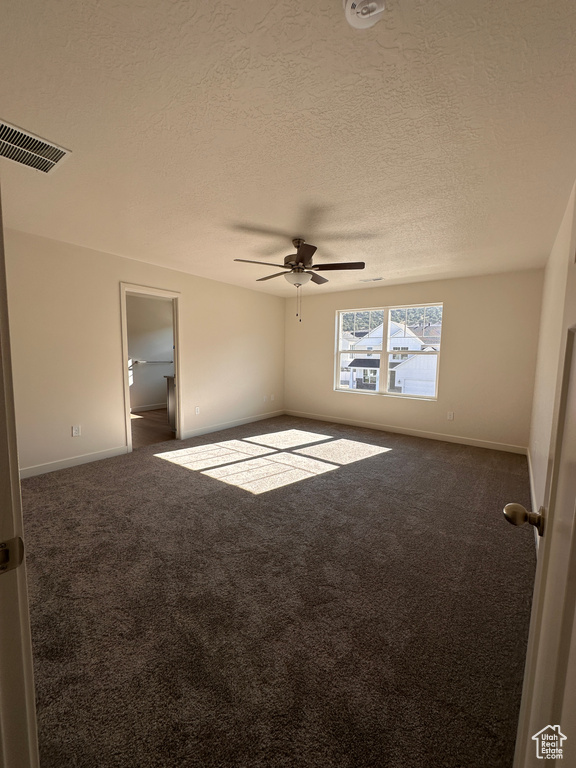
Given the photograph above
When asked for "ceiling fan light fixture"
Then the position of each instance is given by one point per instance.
(298, 278)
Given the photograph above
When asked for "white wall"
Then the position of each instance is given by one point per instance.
(64, 304)
(150, 337)
(487, 362)
(558, 314)
(552, 639)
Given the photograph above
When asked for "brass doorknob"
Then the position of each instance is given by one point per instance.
(518, 515)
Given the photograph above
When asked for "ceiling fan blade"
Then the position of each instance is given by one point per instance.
(261, 230)
(341, 265)
(264, 263)
(347, 235)
(268, 251)
(277, 274)
(317, 278)
(310, 218)
(305, 253)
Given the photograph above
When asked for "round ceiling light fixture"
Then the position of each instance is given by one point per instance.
(298, 278)
(362, 14)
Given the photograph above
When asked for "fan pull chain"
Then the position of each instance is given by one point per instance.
(298, 303)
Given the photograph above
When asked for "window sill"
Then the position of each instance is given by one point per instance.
(428, 398)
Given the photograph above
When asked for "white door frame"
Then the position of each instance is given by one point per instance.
(18, 739)
(127, 289)
(547, 697)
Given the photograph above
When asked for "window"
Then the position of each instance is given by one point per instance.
(369, 376)
(389, 350)
(399, 357)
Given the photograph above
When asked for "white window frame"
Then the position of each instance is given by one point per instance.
(384, 353)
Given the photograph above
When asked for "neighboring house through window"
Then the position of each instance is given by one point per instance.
(389, 350)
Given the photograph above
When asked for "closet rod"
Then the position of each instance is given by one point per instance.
(152, 362)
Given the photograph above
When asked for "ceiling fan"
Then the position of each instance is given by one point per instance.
(299, 266)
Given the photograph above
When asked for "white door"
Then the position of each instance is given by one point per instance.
(18, 744)
(549, 695)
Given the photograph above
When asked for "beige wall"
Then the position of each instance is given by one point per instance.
(489, 338)
(64, 304)
(558, 314)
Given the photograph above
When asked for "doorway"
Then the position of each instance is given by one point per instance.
(150, 363)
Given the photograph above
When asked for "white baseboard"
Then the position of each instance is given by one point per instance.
(227, 424)
(415, 432)
(52, 466)
(154, 407)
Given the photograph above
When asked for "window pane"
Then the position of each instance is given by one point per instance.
(370, 340)
(415, 316)
(347, 321)
(398, 316)
(432, 329)
(415, 375)
(400, 336)
(362, 321)
(345, 375)
(360, 371)
(347, 337)
(415, 327)
(361, 330)
(376, 318)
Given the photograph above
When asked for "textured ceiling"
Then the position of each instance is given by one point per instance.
(441, 142)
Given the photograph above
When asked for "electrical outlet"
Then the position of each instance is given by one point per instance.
(271, 398)
(197, 410)
(76, 430)
(265, 398)
(450, 416)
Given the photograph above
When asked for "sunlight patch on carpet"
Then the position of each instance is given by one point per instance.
(265, 462)
(343, 451)
(266, 474)
(288, 438)
(214, 455)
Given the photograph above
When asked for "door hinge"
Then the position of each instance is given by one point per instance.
(11, 554)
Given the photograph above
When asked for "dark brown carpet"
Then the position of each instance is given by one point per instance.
(373, 615)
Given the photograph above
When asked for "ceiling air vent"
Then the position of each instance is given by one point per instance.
(25, 148)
